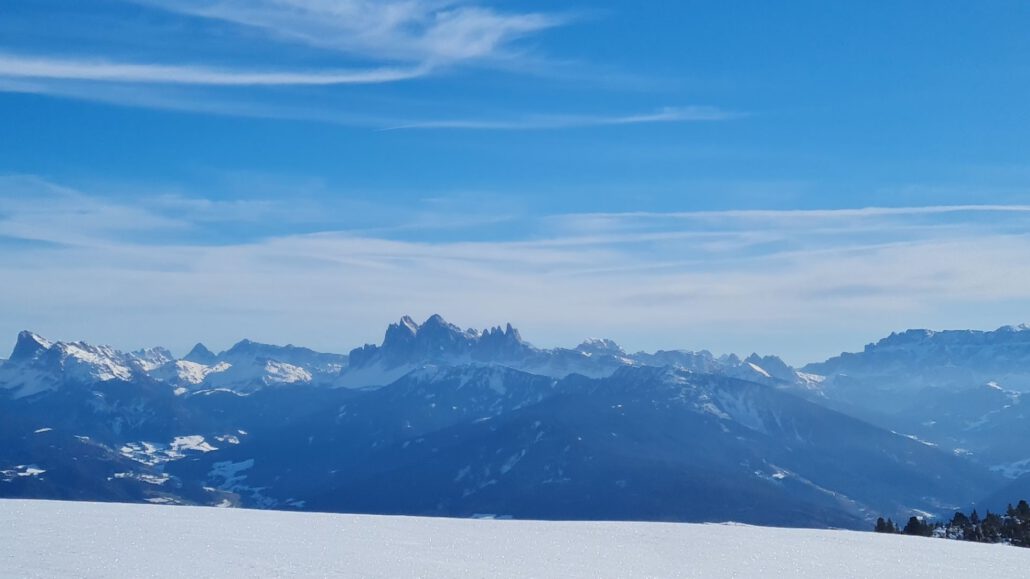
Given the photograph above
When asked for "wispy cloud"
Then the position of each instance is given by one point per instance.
(543, 122)
(154, 94)
(340, 44)
(423, 34)
(847, 213)
(738, 284)
(38, 210)
(425, 31)
(14, 66)
(837, 221)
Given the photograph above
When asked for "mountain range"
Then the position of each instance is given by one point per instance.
(440, 420)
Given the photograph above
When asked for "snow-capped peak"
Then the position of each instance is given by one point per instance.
(407, 342)
(1017, 328)
(184, 372)
(102, 363)
(594, 346)
(950, 359)
(200, 354)
(38, 364)
(283, 373)
(409, 324)
(29, 344)
(151, 359)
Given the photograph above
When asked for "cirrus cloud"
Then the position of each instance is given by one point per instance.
(800, 283)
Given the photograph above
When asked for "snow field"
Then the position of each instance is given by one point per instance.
(69, 539)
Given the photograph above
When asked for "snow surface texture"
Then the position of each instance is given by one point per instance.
(67, 539)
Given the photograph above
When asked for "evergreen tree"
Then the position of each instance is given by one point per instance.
(992, 527)
(1013, 527)
(960, 520)
(917, 527)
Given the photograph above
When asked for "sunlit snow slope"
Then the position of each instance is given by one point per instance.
(67, 539)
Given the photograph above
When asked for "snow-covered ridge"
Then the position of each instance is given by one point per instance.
(912, 359)
(953, 359)
(408, 345)
(38, 364)
(520, 431)
(55, 539)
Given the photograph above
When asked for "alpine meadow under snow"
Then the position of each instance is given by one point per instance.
(90, 540)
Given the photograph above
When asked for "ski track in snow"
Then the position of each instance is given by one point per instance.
(68, 539)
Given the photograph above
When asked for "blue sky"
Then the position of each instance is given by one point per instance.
(688, 174)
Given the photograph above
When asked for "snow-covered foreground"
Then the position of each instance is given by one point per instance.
(67, 539)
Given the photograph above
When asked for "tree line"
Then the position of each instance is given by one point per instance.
(1012, 527)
